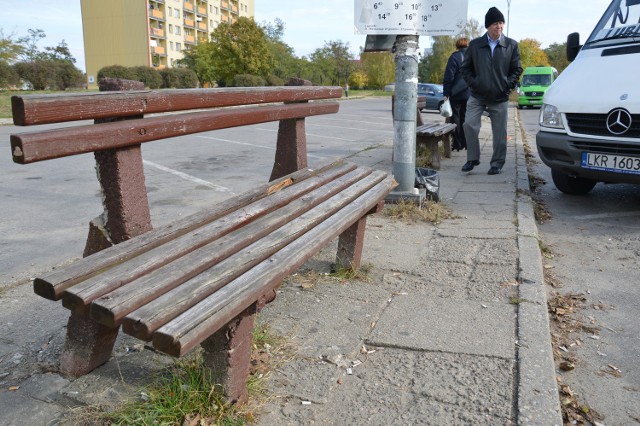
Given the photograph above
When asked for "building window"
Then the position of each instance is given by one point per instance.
(178, 31)
(176, 13)
(178, 47)
(215, 10)
(171, 28)
(171, 45)
(170, 11)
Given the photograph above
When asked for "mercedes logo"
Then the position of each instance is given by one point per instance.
(618, 121)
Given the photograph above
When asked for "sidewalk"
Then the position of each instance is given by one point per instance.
(451, 327)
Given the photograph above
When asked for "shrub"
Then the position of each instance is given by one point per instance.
(117, 71)
(274, 80)
(8, 76)
(149, 76)
(248, 80)
(179, 78)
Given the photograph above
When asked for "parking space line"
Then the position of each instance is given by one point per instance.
(187, 177)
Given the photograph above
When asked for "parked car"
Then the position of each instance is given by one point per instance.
(433, 93)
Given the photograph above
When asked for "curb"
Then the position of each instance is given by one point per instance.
(538, 398)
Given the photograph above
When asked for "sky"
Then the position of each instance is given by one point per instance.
(311, 23)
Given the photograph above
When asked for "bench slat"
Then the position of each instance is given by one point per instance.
(79, 296)
(142, 322)
(189, 329)
(31, 147)
(44, 109)
(111, 308)
(52, 286)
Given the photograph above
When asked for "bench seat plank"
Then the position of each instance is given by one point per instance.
(79, 296)
(111, 308)
(53, 285)
(57, 108)
(31, 147)
(190, 328)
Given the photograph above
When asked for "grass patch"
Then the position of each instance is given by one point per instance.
(361, 93)
(184, 394)
(430, 211)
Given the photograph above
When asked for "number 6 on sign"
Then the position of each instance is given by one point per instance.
(423, 17)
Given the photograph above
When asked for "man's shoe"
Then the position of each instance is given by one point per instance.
(494, 171)
(469, 165)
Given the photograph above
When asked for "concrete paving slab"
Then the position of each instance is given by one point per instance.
(469, 327)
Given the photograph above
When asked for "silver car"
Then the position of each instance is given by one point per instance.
(433, 93)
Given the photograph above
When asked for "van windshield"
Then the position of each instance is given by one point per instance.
(620, 24)
(536, 80)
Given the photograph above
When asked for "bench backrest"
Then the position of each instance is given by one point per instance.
(46, 109)
(120, 127)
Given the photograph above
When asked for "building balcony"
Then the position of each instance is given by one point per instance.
(158, 50)
(157, 14)
(189, 39)
(202, 10)
(157, 32)
(224, 4)
(189, 23)
(158, 1)
(234, 9)
(188, 6)
(202, 26)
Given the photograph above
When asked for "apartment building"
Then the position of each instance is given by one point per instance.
(150, 32)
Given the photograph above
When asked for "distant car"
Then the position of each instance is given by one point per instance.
(433, 93)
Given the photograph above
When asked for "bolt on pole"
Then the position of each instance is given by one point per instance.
(405, 109)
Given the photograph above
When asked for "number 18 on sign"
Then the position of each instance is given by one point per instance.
(417, 17)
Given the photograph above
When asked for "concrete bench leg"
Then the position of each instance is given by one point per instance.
(88, 345)
(446, 142)
(351, 241)
(227, 354)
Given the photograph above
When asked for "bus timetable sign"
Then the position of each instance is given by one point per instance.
(415, 17)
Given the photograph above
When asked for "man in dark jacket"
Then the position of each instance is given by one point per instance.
(491, 68)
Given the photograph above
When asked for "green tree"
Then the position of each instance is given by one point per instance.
(557, 54)
(8, 76)
(333, 63)
(379, 69)
(239, 48)
(60, 53)
(285, 63)
(431, 67)
(358, 80)
(10, 50)
(30, 43)
(531, 54)
(37, 74)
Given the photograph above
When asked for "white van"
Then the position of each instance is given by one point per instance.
(590, 117)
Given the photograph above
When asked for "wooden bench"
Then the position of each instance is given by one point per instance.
(430, 134)
(199, 280)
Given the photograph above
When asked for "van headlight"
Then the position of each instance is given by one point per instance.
(550, 117)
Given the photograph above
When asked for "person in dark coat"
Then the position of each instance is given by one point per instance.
(457, 91)
(491, 68)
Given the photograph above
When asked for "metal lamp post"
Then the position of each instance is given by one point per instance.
(508, 12)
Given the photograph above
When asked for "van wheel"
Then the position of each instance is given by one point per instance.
(572, 185)
(520, 106)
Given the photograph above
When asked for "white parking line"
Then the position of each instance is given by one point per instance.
(188, 177)
(310, 134)
(271, 148)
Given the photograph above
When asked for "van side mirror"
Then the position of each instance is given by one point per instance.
(573, 46)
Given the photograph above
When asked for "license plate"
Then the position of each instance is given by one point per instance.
(611, 163)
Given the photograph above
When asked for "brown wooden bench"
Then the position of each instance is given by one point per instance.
(430, 134)
(199, 280)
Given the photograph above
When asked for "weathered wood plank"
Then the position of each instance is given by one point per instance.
(79, 296)
(142, 322)
(31, 147)
(187, 330)
(42, 109)
(52, 286)
(112, 307)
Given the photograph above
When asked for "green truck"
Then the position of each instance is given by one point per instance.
(535, 81)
